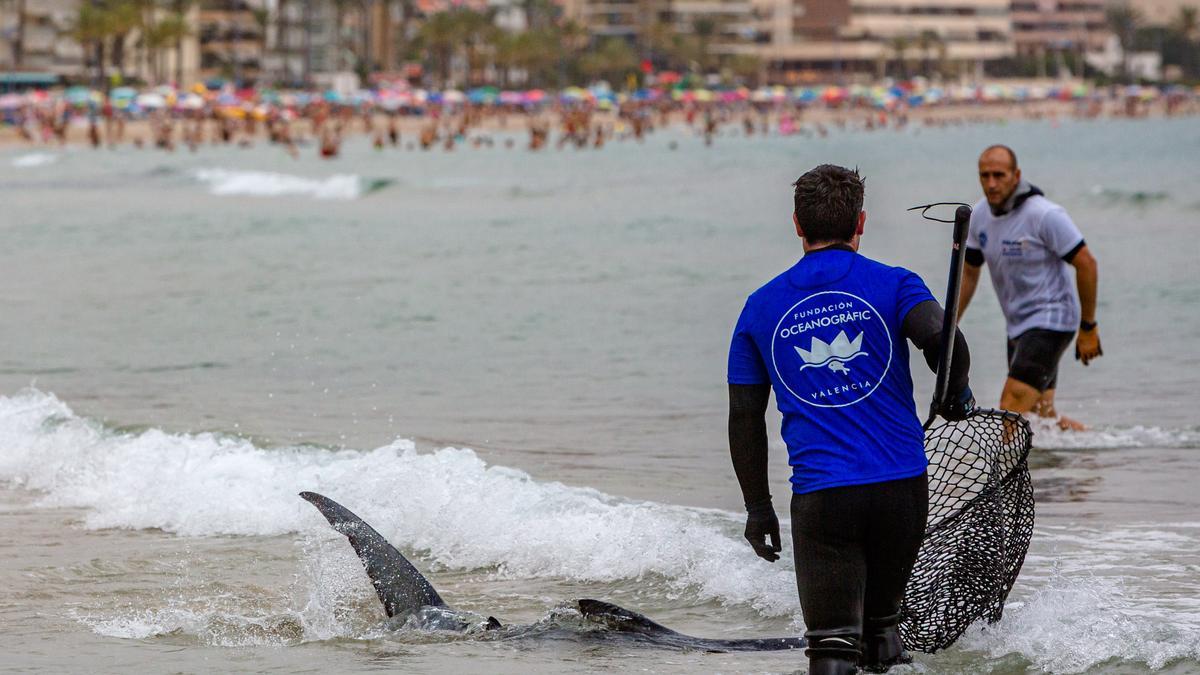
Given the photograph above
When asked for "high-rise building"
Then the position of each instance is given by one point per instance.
(728, 26)
(231, 39)
(1041, 26)
(1162, 12)
(39, 36)
(39, 40)
(814, 39)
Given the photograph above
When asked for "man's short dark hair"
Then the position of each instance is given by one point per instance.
(828, 201)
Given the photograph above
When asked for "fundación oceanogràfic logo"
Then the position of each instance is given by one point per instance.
(831, 349)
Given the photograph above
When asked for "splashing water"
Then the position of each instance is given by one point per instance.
(269, 184)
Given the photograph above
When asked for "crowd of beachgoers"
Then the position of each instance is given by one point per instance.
(167, 119)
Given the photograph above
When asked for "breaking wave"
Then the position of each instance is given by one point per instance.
(1083, 601)
(269, 184)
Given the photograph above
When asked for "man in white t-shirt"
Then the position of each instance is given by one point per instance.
(1029, 244)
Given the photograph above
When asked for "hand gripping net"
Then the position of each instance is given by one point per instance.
(980, 523)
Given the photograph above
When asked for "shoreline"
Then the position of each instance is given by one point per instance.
(508, 123)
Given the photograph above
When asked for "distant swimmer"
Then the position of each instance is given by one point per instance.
(1029, 244)
(825, 335)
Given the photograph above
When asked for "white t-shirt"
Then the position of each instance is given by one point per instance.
(1024, 252)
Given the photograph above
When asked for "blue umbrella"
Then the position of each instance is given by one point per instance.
(77, 95)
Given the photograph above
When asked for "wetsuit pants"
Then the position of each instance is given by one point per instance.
(855, 547)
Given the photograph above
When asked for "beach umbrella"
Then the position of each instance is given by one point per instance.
(453, 96)
(192, 101)
(77, 95)
(833, 95)
(390, 100)
(122, 97)
(332, 96)
(151, 101)
(534, 96)
(669, 77)
(573, 94)
(10, 101)
(486, 94)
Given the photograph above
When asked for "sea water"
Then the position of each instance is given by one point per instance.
(512, 365)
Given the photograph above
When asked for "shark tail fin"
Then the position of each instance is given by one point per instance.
(401, 587)
(623, 620)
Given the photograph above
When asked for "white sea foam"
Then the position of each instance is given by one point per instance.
(1046, 434)
(1076, 623)
(448, 503)
(1077, 605)
(34, 159)
(270, 184)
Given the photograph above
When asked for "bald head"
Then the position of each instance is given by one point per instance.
(999, 152)
(998, 174)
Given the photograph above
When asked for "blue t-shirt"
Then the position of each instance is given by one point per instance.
(826, 334)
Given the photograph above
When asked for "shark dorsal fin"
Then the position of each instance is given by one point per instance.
(400, 586)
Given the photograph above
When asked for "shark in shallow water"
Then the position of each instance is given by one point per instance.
(411, 601)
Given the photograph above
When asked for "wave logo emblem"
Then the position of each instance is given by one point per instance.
(834, 355)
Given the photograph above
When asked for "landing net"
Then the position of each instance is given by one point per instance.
(980, 523)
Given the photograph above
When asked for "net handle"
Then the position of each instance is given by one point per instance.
(962, 220)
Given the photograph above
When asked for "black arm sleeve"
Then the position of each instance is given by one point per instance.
(923, 327)
(748, 442)
(974, 257)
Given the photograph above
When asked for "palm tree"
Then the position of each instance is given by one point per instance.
(180, 8)
(658, 39)
(612, 61)
(440, 34)
(705, 29)
(747, 67)
(1124, 21)
(91, 30)
(18, 41)
(926, 42)
(168, 31)
(124, 18)
(899, 45)
(1186, 23)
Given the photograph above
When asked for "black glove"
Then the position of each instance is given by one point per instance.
(760, 524)
(958, 407)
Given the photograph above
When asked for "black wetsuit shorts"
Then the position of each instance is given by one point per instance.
(1033, 357)
(855, 547)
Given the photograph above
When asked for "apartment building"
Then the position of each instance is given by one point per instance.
(1042, 26)
(232, 39)
(1162, 12)
(41, 42)
(732, 21)
(813, 38)
(37, 36)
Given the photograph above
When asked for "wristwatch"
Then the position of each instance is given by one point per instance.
(1087, 325)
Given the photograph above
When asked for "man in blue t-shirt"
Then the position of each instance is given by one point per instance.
(829, 337)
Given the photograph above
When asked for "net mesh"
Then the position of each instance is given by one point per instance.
(980, 523)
